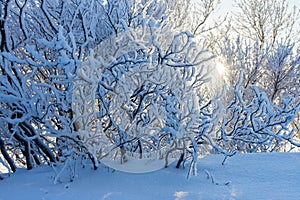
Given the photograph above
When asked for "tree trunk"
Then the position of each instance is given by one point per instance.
(28, 156)
(7, 157)
(180, 160)
(29, 130)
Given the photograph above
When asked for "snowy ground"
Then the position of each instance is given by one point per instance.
(247, 176)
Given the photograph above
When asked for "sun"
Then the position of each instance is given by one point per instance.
(220, 68)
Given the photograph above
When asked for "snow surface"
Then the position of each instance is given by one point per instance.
(244, 176)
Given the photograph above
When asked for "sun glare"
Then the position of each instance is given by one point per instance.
(220, 67)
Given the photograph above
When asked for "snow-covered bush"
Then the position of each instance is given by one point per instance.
(91, 78)
(272, 69)
(257, 124)
(142, 94)
(42, 46)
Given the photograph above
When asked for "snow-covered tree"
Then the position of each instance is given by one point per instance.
(266, 20)
(88, 78)
(257, 124)
(43, 44)
(145, 94)
(261, 39)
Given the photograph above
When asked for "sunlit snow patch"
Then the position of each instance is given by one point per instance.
(134, 164)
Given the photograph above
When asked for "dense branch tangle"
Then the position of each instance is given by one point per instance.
(139, 92)
(258, 125)
(42, 44)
